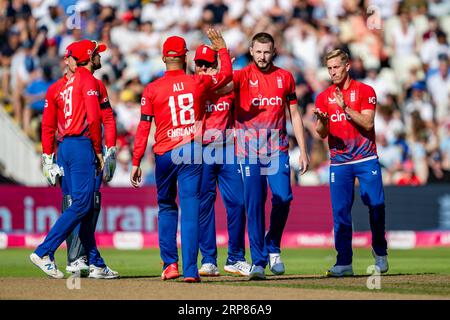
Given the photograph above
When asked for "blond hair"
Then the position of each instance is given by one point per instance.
(337, 53)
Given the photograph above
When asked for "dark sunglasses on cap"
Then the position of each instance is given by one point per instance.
(201, 63)
(96, 47)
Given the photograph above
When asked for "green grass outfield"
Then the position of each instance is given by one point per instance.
(130, 263)
(423, 263)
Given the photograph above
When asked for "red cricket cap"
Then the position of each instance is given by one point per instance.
(174, 47)
(82, 50)
(205, 53)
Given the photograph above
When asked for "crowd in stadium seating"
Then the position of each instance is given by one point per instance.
(401, 48)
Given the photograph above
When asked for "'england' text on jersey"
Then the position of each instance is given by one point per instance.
(181, 132)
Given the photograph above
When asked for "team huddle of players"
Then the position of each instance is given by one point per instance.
(215, 127)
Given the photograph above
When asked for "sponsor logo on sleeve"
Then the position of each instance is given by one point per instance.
(372, 100)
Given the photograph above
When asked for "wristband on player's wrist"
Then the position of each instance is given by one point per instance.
(344, 107)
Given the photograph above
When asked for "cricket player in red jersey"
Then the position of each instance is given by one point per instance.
(220, 168)
(263, 92)
(345, 114)
(76, 255)
(176, 101)
(80, 155)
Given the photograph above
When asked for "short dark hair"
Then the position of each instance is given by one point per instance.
(263, 37)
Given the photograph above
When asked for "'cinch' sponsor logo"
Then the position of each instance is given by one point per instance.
(340, 116)
(223, 106)
(266, 101)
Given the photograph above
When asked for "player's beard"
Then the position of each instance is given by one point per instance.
(263, 65)
(97, 65)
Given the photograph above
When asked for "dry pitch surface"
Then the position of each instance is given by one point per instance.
(226, 288)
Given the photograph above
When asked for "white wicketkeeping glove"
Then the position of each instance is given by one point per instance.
(110, 163)
(51, 170)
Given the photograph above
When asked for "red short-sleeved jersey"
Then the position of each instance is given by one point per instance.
(347, 141)
(261, 100)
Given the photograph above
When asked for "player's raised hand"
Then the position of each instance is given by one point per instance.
(136, 176)
(216, 38)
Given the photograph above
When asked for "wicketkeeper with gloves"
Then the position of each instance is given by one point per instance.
(77, 255)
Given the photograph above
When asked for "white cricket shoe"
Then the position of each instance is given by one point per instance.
(102, 272)
(381, 262)
(275, 264)
(340, 271)
(208, 270)
(257, 273)
(239, 267)
(46, 265)
(79, 266)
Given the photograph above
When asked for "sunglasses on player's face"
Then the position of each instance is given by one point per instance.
(201, 63)
(94, 52)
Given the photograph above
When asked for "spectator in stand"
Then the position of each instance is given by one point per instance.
(35, 99)
(215, 11)
(436, 172)
(438, 85)
(435, 46)
(418, 102)
(379, 84)
(407, 177)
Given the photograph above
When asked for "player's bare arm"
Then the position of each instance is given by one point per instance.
(322, 123)
(365, 119)
(299, 131)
